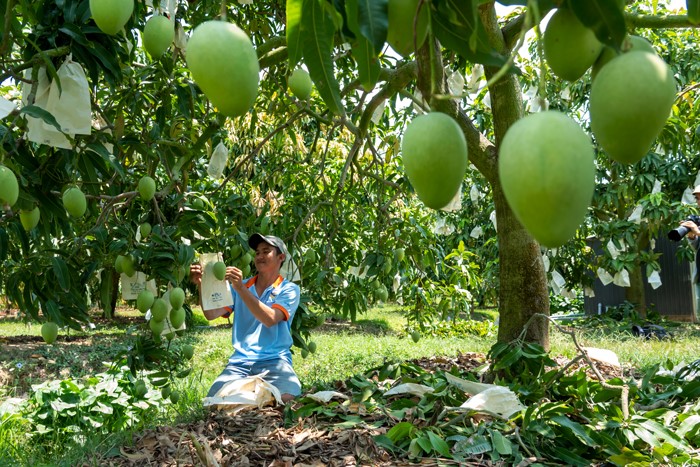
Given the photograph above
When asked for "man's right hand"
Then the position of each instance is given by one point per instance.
(196, 274)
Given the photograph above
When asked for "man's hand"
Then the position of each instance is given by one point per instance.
(694, 229)
(196, 274)
(235, 278)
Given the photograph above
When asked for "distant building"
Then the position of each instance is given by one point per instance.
(674, 299)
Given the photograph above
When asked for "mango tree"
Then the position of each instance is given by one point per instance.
(325, 168)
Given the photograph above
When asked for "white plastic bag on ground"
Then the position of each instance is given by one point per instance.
(326, 396)
(603, 355)
(245, 393)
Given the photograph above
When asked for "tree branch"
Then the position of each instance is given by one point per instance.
(658, 22)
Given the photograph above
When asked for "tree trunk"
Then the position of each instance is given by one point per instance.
(523, 288)
(635, 293)
(523, 282)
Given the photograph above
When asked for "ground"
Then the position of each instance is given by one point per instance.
(261, 437)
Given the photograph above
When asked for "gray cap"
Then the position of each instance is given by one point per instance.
(255, 240)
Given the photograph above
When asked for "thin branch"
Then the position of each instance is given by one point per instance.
(37, 59)
(624, 388)
(658, 22)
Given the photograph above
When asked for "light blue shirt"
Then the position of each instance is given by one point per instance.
(252, 340)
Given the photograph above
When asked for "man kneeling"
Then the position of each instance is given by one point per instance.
(263, 307)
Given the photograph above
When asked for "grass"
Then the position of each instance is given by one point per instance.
(343, 349)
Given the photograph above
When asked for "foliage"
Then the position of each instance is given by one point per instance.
(67, 411)
(568, 417)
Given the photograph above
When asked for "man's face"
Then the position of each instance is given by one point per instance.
(697, 198)
(267, 258)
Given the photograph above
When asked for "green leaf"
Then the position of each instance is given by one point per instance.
(368, 66)
(425, 444)
(373, 22)
(604, 17)
(38, 112)
(318, 30)
(457, 27)
(569, 457)
(502, 444)
(439, 444)
(60, 269)
(401, 431)
(294, 22)
(75, 33)
(109, 60)
(576, 428)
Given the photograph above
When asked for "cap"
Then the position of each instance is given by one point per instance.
(255, 239)
(696, 190)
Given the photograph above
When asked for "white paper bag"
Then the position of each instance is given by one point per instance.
(134, 285)
(240, 394)
(215, 293)
(38, 131)
(6, 107)
(71, 104)
(604, 276)
(654, 280)
(218, 161)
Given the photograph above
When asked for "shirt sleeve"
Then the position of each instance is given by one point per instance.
(287, 300)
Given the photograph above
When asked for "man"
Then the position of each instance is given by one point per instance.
(694, 237)
(263, 307)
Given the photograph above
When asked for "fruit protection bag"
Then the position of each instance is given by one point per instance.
(6, 107)
(134, 285)
(69, 105)
(218, 161)
(215, 293)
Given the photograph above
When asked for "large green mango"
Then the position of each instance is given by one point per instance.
(631, 98)
(224, 65)
(401, 15)
(570, 48)
(111, 15)
(547, 172)
(629, 44)
(434, 157)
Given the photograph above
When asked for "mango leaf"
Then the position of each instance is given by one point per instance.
(460, 37)
(439, 445)
(373, 22)
(109, 60)
(75, 33)
(367, 63)
(569, 457)
(401, 431)
(294, 20)
(576, 428)
(318, 30)
(38, 112)
(604, 17)
(60, 269)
